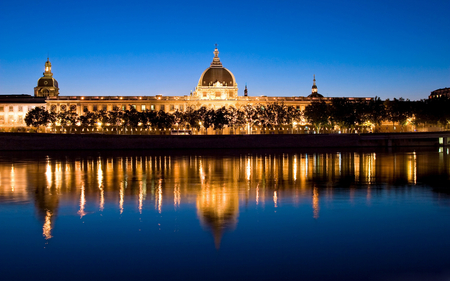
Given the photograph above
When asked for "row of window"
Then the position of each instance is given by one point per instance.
(20, 108)
(141, 107)
(11, 120)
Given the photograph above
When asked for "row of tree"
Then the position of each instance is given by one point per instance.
(342, 113)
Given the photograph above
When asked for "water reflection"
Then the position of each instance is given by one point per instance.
(219, 185)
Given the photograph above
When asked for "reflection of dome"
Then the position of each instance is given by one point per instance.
(218, 209)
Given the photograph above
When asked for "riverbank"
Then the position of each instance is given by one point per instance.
(27, 141)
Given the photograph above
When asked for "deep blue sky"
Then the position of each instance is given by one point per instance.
(355, 48)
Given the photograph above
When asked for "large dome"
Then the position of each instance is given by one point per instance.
(217, 73)
(213, 75)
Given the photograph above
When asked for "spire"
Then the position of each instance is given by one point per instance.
(314, 87)
(216, 60)
(245, 91)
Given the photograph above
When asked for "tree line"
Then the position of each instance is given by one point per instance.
(341, 113)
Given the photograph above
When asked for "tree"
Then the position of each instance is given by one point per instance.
(38, 116)
(220, 118)
(398, 111)
(67, 118)
(317, 113)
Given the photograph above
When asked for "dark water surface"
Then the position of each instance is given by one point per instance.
(229, 215)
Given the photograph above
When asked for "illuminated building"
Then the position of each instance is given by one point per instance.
(13, 109)
(216, 88)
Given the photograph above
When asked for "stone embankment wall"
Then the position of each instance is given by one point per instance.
(26, 141)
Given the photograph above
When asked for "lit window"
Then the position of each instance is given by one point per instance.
(152, 107)
(2, 108)
(143, 107)
(133, 106)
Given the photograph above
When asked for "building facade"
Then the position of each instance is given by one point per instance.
(216, 88)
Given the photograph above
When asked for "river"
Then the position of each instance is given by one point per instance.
(366, 214)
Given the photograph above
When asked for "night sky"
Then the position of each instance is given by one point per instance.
(355, 48)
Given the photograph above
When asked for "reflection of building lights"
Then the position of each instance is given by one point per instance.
(176, 196)
(275, 199)
(315, 203)
(158, 198)
(48, 174)
(248, 169)
(47, 228)
(257, 194)
(82, 202)
(13, 178)
(121, 193)
(294, 168)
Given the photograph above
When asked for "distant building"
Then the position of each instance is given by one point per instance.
(440, 93)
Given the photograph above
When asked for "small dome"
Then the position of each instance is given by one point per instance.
(47, 82)
(315, 95)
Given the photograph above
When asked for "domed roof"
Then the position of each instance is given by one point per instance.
(217, 73)
(315, 95)
(47, 82)
(212, 75)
